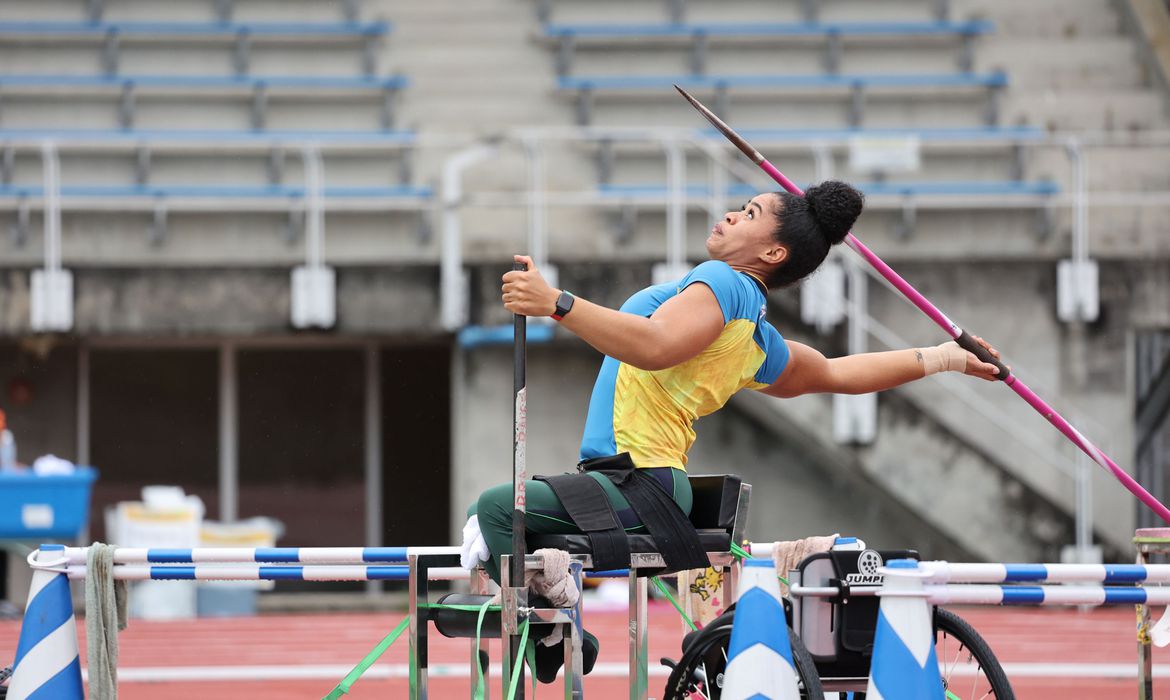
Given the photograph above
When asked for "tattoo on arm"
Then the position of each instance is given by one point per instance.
(918, 354)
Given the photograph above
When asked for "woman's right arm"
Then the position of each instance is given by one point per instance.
(677, 331)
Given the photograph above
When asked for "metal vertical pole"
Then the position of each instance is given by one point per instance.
(518, 592)
(229, 476)
(373, 454)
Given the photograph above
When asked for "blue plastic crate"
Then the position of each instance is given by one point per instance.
(44, 507)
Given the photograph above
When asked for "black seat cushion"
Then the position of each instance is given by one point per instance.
(711, 540)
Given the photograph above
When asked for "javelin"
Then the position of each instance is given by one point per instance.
(959, 335)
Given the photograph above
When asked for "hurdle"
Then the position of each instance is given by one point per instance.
(53, 565)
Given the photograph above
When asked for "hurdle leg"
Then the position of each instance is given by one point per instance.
(417, 593)
(639, 643)
(479, 586)
(574, 663)
(512, 599)
(1145, 657)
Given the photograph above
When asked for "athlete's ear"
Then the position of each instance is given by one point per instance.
(774, 254)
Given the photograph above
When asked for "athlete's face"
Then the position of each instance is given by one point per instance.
(744, 237)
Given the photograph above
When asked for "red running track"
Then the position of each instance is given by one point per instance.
(1049, 653)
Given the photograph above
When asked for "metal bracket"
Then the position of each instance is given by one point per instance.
(856, 105)
(699, 54)
(425, 230)
(94, 10)
(158, 226)
(111, 52)
(259, 106)
(7, 164)
(294, 228)
(388, 107)
(605, 159)
(543, 11)
(127, 106)
(942, 10)
(20, 227)
(905, 227)
(584, 106)
(809, 10)
(677, 10)
(350, 10)
(276, 158)
(967, 53)
(224, 9)
(627, 221)
(565, 50)
(242, 57)
(1045, 222)
(370, 55)
(833, 50)
(993, 98)
(722, 101)
(142, 164)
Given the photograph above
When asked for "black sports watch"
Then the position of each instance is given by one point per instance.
(564, 305)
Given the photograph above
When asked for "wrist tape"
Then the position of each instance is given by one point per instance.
(948, 357)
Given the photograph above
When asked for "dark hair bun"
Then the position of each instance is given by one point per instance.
(835, 206)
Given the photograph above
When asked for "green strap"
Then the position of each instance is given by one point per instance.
(515, 677)
(342, 688)
(479, 684)
(666, 592)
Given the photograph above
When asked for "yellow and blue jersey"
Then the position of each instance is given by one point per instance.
(650, 414)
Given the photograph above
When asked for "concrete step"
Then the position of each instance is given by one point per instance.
(1044, 18)
(1058, 63)
(1085, 109)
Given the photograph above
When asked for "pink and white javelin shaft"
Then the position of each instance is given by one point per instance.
(960, 336)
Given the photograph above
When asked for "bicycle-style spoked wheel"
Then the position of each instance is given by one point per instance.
(700, 672)
(968, 667)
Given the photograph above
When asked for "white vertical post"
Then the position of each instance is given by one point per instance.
(373, 454)
(229, 476)
(452, 279)
(675, 265)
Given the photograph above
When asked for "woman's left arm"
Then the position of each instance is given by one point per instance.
(810, 372)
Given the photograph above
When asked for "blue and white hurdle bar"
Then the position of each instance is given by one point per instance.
(945, 583)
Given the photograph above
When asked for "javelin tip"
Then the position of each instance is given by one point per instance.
(723, 128)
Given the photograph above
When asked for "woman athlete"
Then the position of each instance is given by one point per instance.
(675, 352)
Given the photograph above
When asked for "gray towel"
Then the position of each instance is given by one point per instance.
(105, 616)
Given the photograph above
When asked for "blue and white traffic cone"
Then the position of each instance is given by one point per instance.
(904, 665)
(47, 664)
(759, 661)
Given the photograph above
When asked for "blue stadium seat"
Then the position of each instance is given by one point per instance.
(1007, 188)
(257, 87)
(221, 192)
(855, 83)
(698, 35)
(47, 30)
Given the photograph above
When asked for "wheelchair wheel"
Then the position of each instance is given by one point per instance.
(966, 663)
(968, 666)
(699, 673)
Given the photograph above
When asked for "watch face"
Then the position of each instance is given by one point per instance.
(564, 303)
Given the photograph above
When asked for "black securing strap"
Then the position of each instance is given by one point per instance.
(677, 540)
(589, 508)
